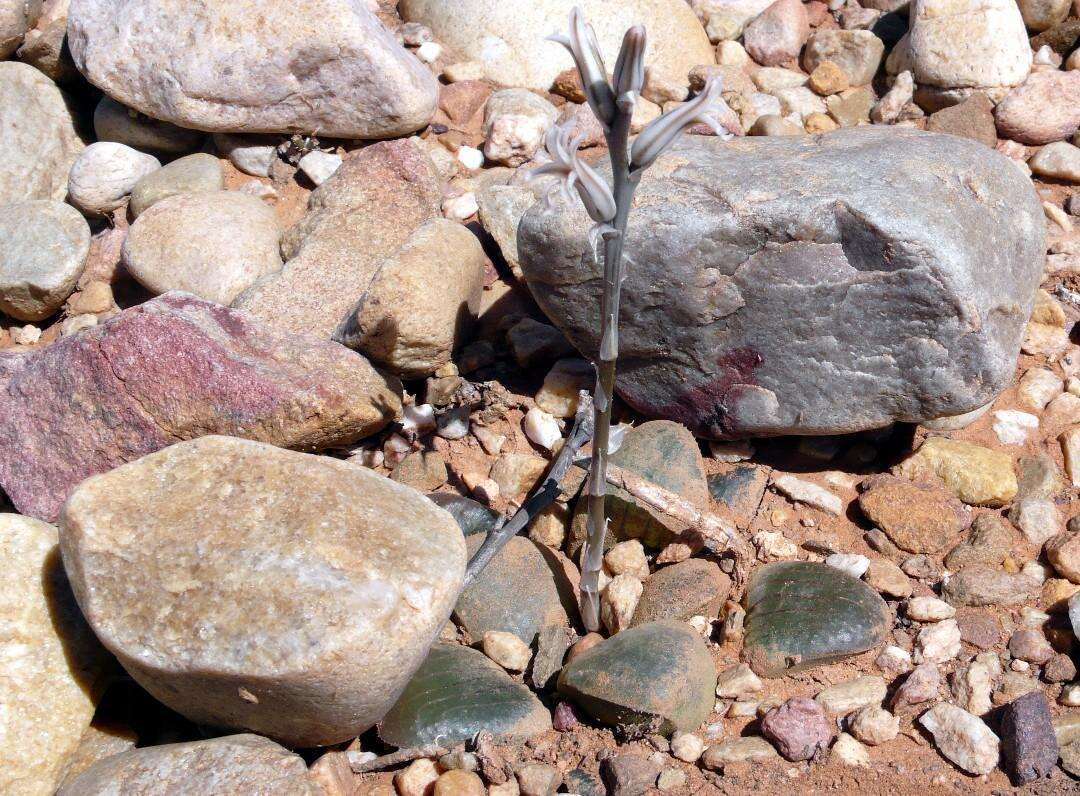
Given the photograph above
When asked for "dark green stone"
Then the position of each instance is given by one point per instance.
(694, 587)
(581, 782)
(801, 614)
(471, 516)
(659, 451)
(522, 590)
(456, 693)
(739, 487)
(657, 677)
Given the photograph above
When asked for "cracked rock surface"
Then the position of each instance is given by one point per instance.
(891, 283)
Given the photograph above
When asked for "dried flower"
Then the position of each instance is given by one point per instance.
(630, 68)
(660, 133)
(565, 164)
(583, 47)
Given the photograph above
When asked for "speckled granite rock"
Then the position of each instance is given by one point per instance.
(173, 368)
(893, 284)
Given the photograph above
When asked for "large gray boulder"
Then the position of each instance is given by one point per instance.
(260, 66)
(816, 285)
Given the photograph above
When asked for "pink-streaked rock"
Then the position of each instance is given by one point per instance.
(173, 369)
(1044, 109)
(778, 34)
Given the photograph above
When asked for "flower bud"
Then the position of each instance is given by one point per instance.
(584, 49)
(630, 67)
(660, 133)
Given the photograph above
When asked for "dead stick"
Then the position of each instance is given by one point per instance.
(406, 755)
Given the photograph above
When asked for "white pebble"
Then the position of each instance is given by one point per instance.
(429, 52)
(811, 494)
(319, 166)
(418, 419)
(542, 428)
(454, 423)
(929, 609)
(507, 650)
(962, 738)
(1013, 426)
(459, 208)
(470, 157)
(619, 601)
(25, 335)
(938, 642)
(687, 746)
(851, 563)
(627, 558)
(104, 174)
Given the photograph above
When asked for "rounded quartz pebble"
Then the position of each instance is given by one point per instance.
(45, 245)
(105, 173)
(213, 244)
(241, 765)
(248, 586)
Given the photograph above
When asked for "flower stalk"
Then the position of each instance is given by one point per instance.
(613, 102)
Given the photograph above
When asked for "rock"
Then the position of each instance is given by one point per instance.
(938, 643)
(741, 388)
(629, 774)
(687, 746)
(1045, 108)
(510, 44)
(971, 687)
(772, 125)
(618, 602)
(559, 393)
(801, 614)
(515, 473)
(552, 642)
(471, 517)
(979, 628)
(538, 779)
(694, 587)
(173, 368)
(803, 491)
(251, 154)
(1059, 160)
(265, 652)
(968, 44)
(962, 738)
(663, 453)
(850, 752)
(738, 750)
(213, 245)
(917, 517)
(978, 476)
(1013, 427)
(658, 675)
(857, 52)
(37, 136)
(402, 321)
(319, 166)
(422, 470)
(627, 558)
(740, 489)
(521, 567)
(921, 685)
(46, 244)
(874, 725)
(501, 209)
(1059, 669)
(928, 609)
(53, 670)
(973, 118)
(1028, 745)
(1063, 552)
(16, 18)
(983, 585)
(737, 681)
(198, 173)
(104, 174)
(1038, 518)
(114, 122)
(456, 693)
(223, 68)
(515, 123)
(990, 541)
(847, 697)
(778, 34)
(1040, 15)
(852, 107)
(797, 728)
(534, 343)
(507, 650)
(1070, 759)
(417, 779)
(356, 221)
(238, 764)
(1029, 644)
(888, 579)
(849, 563)
(828, 78)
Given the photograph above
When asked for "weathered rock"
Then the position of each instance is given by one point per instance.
(1028, 745)
(509, 40)
(456, 693)
(44, 45)
(472, 517)
(694, 587)
(798, 728)
(53, 669)
(515, 123)
(663, 453)
(248, 67)
(244, 765)
(973, 118)
(740, 489)
(920, 686)
(198, 173)
(985, 585)
(356, 220)
(990, 540)
(801, 614)
(44, 251)
(421, 302)
(37, 136)
(857, 52)
(696, 339)
(978, 476)
(103, 175)
(1059, 160)
(658, 676)
(251, 154)
(308, 643)
(778, 33)
(1039, 15)
(1045, 108)
(918, 518)
(16, 18)
(213, 245)
(170, 369)
(114, 122)
(629, 774)
(501, 209)
(738, 750)
(1063, 552)
(852, 695)
(521, 567)
(874, 725)
(968, 43)
(962, 738)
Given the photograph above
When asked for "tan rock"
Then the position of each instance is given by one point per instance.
(1063, 552)
(619, 601)
(51, 666)
(627, 558)
(421, 303)
(507, 650)
(917, 517)
(517, 473)
(248, 586)
(559, 392)
(978, 476)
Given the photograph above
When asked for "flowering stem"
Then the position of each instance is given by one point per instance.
(625, 182)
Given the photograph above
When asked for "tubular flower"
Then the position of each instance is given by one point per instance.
(659, 134)
(583, 47)
(629, 74)
(593, 190)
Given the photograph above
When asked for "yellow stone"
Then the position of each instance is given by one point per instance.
(978, 476)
